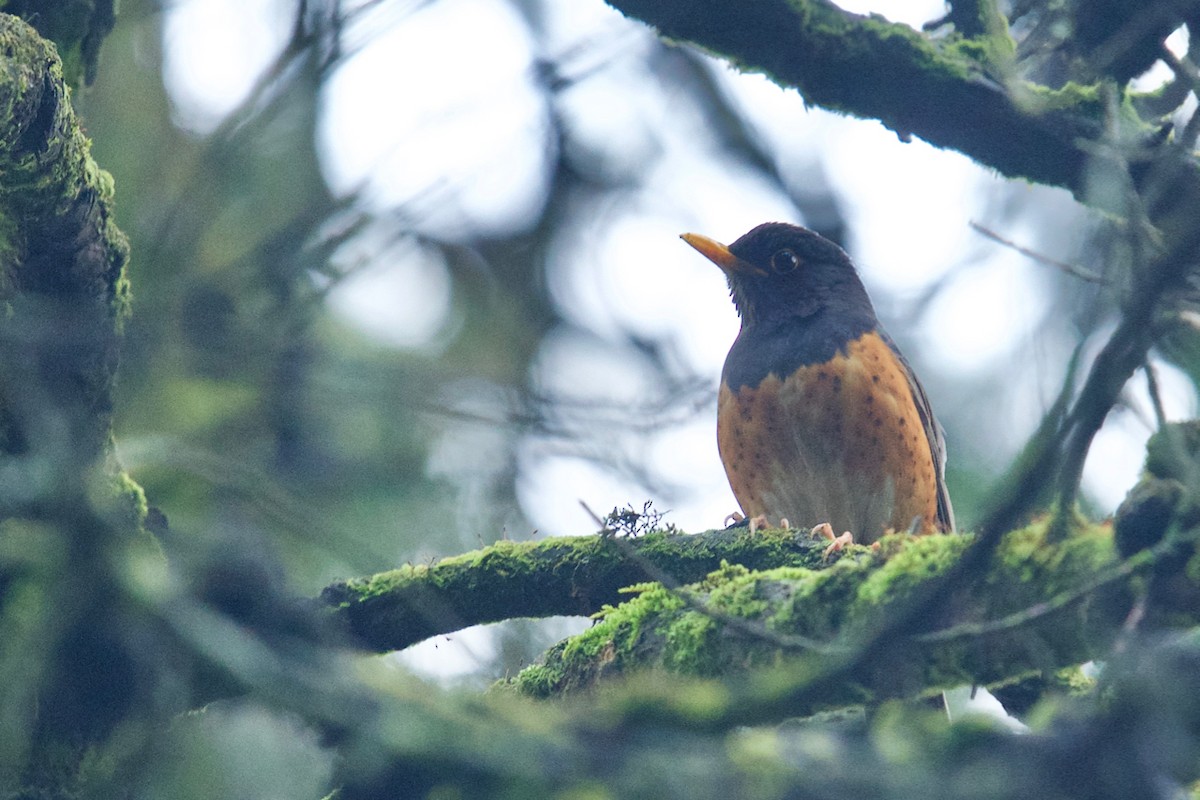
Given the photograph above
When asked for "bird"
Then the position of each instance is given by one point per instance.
(820, 419)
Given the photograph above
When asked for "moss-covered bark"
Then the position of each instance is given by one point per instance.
(768, 606)
(1042, 604)
(961, 90)
(68, 515)
(62, 264)
(565, 576)
(76, 27)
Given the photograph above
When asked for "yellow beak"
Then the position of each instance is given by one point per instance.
(719, 254)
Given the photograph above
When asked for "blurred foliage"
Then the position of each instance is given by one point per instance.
(282, 447)
(248, 410)
(245, 406)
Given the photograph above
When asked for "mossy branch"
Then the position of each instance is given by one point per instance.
(61, 264)
(960, 91)
(630, 733)
(795, 620)
(1041, 605)
(673, 721)
(562, 576)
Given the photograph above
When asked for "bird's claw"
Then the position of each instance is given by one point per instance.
(755, 523)
(759, 523)
(836, 543)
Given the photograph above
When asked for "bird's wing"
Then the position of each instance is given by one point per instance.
(933, 435)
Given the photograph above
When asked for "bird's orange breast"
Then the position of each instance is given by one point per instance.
(839, 442)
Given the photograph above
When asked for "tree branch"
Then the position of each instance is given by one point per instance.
(563, 576)
(1042, 605)
(952, 95)
(957, 92)
(61, 268)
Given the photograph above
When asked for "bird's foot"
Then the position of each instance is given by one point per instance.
(759, 523)
(836, 543)
(756, 523)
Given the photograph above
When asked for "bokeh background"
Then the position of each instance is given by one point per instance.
(407, 279)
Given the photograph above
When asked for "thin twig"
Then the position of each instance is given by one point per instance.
(1183, 68)
(1071, 269)
(1187, 137)
(1160, 414)
(1187, 73)
(1125, 350)
(1117, 573)
(1139, 561)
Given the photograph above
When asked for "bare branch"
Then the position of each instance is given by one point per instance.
(1071, 269)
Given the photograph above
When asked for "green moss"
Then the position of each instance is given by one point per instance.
(1033, 556)
(740, 598)
(538, 680)
(623, 624)
(722, 575)
(659, 628)
(385, 582)
(983, 37)
(1075, 97)
(817, 600)
(120, 499)
(1171, 451)
(909, 561)
(810, 45)
(955, 91)
(687, 639)
(53, 189)
(658, 620)
(1073, 681)
(571, 575)
(609, 647)
(75, 28)
(122, 303)
(132, 496)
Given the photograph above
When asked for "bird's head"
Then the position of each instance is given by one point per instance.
(779, 271)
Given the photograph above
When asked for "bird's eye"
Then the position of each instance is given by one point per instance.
(784, 261)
